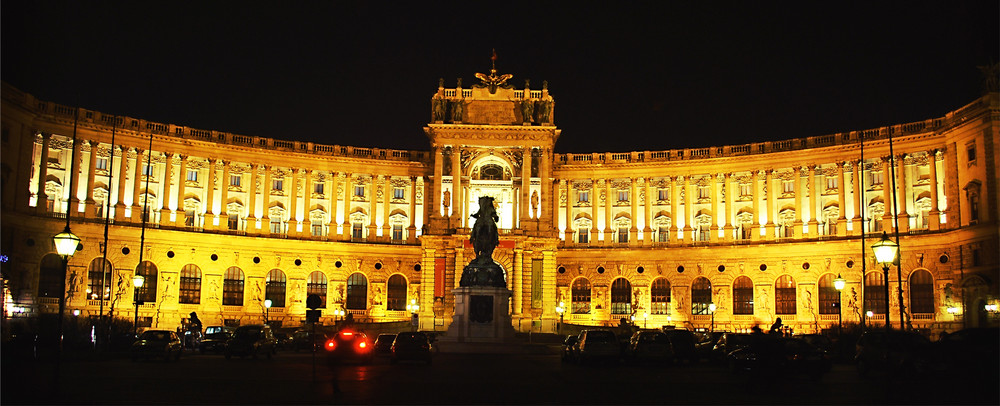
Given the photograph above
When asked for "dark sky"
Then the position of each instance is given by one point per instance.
(633, 76)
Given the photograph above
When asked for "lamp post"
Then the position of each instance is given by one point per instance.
(711, 309)
(560, 309)
(267, 311)
(885, 254)
(839, 284)
(66, 243)
(137, 282)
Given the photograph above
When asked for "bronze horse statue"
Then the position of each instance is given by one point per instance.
(484, 237)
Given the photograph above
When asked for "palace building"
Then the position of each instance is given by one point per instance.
(722, 238)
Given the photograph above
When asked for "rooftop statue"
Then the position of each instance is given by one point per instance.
(492, 81)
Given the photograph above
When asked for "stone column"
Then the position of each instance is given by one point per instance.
(608, 207)
(252, 192)
(841, 199)
(334, 197)
(755, 189)
(456, 186)
(373, 206)
(595, 199)
(525, 203)
(74, 194)
(168, 169)
(293, 201)
(688, 230)
(459, 266)
(181, 188)
(136, 184)
(815, 200)
(675, 199)
(887, 195)
(569, 210)
(713, 185)
(41, 202)
(518, 281)
(546, 196)
(934, 222)
(771, 205)
(411, 230)
(647, 229)
(213, 180)
(732, 190)
(548, 283)
(122, 177)
(265, 218)
(633, 231)
(348, 199)
(224, 197)
(797, 183)
(557, 197)
(904, 217)
(89, 204)
(857, 191)
(436, 209)
(386, 199)
(307, 192)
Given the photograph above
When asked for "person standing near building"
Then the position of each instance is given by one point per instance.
(776, 327)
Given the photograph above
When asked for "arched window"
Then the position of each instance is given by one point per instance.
(491, 172)
(357, 292)
(701, 295)
(232, 287)
(784, 295)
(921, 292)
(875, 293)
(659, 295)
(829, 297)
(743, 295)
(99, 267)
(317, 286)
(190, 286)
(396, 297)
(580, 295)
(275, 290)
(147, 293)
(49, 272)
(621, 296)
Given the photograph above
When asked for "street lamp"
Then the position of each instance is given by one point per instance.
(711, 309)
(560, 309)
(886, 252)
(267, 311)
(66, 243)
(839, 284)
(137, 282)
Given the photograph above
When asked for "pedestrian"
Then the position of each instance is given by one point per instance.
(776, 327)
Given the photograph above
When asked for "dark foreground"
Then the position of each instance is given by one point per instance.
(533, 377)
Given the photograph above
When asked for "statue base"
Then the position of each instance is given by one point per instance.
(481, 315)
(484, 275)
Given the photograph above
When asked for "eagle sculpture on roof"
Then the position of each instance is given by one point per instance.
(492, 81)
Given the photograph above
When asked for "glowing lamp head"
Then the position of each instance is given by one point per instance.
(869, 313)
(885, 250)
(66, 243)
(839, 283)
(267, 303)
(138, 280)
(711, 307)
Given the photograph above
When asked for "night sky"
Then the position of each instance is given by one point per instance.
(625, 76)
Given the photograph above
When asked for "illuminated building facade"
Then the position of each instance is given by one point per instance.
(758, 230)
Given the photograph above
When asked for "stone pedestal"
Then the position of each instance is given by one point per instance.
(481, 315)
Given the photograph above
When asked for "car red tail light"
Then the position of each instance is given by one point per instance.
(362, 346)
(330, 345)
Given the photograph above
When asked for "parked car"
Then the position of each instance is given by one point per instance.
(570, 349)
(896, 352)
(253, 340)
(767, 355)
(650, 346)
(682, 342)
(348, 346)
(704, 345)
(214, 342)
(164, 344)
(383, 344)
(598, 345)
(411, 346)
(304, 339)
(729, 342)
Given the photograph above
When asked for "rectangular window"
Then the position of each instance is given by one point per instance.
(703, 233)
(971, 152)
(397, 232)
(235, 180)
(788, 186)
(663, 234)
(234, 222)
(663, 194)
(192, 175)
(317, 230)
(876, 177)
(745, 189)
(359, 191)
(623, 235)
(102, 164)
(584, 197)
(831, 182)
(318, 188)
(279, 184)
(584, 236)
(622, 195)
(189, 218)
(357, 231)
(398, 193)
(147, 170)
(277, 227)
(703, 192)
